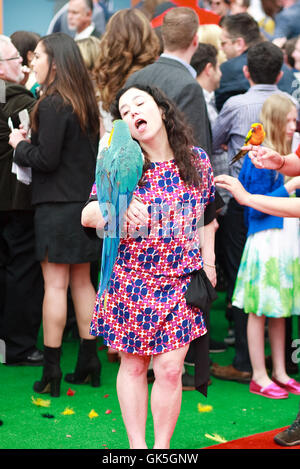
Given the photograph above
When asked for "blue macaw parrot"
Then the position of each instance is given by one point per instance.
(118, 170)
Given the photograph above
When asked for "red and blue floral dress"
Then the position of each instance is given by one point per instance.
(143, 310)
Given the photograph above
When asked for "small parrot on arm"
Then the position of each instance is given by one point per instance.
(118, 170)
(255, 136)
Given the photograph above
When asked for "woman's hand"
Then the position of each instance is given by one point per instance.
(207, 233)
(136, 216)
(263, 157)
(211, 273)
(234, 186)
(292, 184)
(16, 136)
(91, 216)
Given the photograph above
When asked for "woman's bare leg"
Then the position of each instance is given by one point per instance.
(277, 342)
(256, 344)
(132, 388)
(56, 281)
(84, 296)
(166, 394)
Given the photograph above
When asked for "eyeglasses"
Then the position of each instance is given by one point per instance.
(11, 58)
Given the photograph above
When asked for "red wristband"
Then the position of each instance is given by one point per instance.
(298, 151)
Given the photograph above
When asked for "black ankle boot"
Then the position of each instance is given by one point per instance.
(52, 374)
(88, 366)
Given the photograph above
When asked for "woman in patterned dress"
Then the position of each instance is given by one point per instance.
(143, 312)
(267, 283)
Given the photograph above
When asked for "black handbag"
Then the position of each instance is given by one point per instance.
(200, 292)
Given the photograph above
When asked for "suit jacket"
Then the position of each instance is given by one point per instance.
(287, 22)
(234, 82)
(62, 157)
(175, 80)
(14, 195)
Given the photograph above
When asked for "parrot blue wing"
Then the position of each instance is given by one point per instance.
(118, 171)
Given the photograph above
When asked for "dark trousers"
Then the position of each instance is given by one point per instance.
(21, 285)
(231, 239)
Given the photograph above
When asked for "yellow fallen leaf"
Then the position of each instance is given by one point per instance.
(40, 402)
(216, 437)
(68, 411)
(93, 414)
(204, 408)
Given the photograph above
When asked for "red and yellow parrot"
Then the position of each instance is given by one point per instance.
(255, 136)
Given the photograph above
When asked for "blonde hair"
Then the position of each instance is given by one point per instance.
(128, 44)
(179, 27)
(210, 34)
(89, 48)
(273, 116)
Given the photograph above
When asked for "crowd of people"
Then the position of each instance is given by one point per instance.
(189, 81)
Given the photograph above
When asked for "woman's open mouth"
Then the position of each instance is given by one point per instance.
(140, 124)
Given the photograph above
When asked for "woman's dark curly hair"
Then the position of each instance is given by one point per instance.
(180, 134)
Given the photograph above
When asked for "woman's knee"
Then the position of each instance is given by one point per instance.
(169, 372)
(80, 276)
(134, 366)
(56, 276)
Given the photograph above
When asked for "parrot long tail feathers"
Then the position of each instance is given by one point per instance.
(237, 157)
(109, 255)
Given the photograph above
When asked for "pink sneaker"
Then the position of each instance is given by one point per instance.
(271, 391)
(291, 386)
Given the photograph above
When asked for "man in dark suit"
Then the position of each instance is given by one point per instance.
(80, 13)
(239, 32)
(173, 74)
(21, 281)
(287, 23)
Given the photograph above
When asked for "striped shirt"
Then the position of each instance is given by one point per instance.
(235, 119)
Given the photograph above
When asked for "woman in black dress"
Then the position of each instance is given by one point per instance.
(62, 154)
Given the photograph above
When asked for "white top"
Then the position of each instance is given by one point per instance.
(85, 33)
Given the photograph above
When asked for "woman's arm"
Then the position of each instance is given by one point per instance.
(263, 157)
(91, 216)
(207, 236)
(45, 155)
(277, 206)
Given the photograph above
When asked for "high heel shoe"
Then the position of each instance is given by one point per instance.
(51, 378)
(88, 366)
(113, 356)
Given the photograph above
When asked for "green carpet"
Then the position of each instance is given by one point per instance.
(234, 411)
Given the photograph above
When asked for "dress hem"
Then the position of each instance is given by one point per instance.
(110, 345)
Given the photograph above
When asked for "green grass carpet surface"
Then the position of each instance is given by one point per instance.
(234, 412)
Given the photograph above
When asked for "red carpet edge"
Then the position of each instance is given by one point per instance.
(257, 441)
